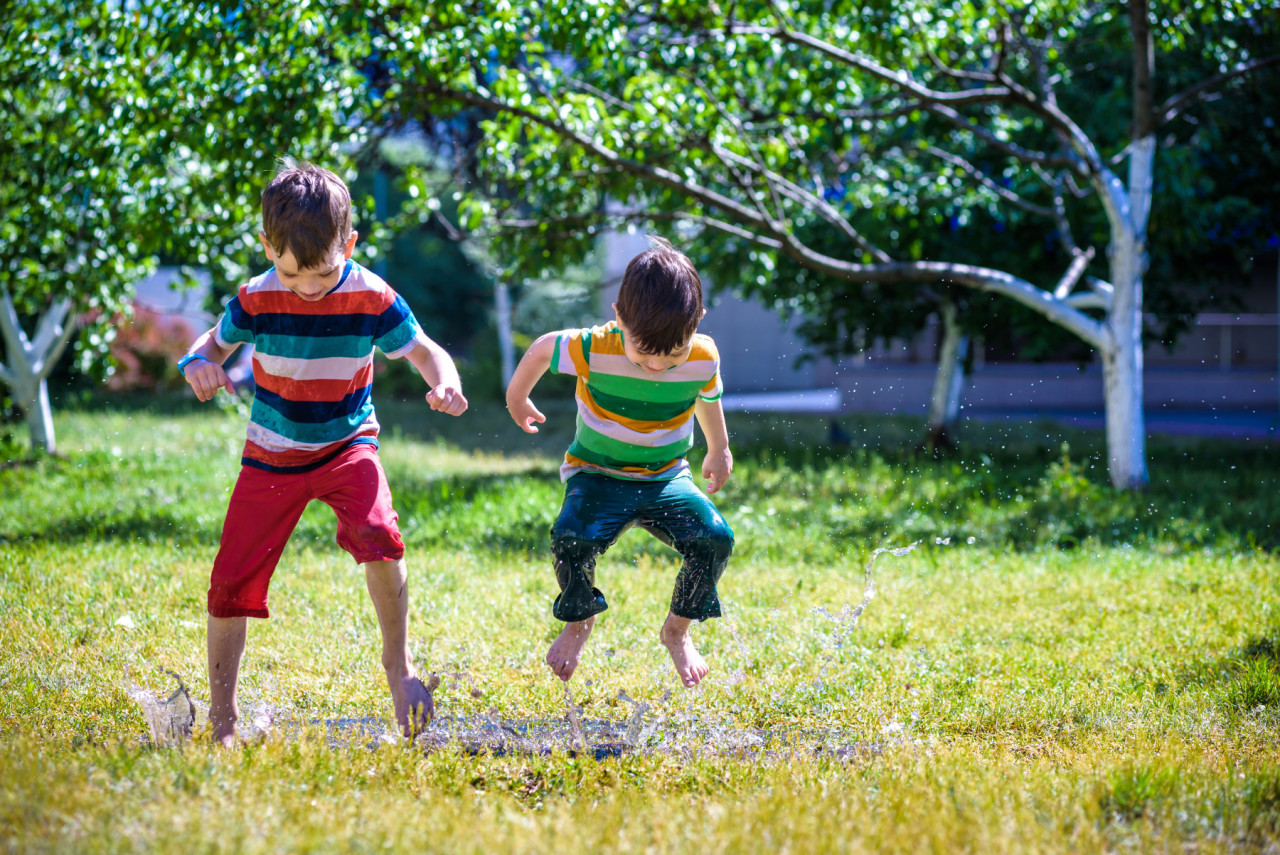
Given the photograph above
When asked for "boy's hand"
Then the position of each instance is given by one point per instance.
(525, 414)
(447, 398)
(716, 468)
(206, 378)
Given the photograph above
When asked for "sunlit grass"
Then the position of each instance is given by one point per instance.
(1054, 667)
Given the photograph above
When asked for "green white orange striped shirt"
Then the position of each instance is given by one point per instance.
(632, 423)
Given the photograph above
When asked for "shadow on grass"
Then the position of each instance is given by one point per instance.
(1248, 677)
(502, 512)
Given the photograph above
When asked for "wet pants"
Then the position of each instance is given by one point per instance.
(598, 508)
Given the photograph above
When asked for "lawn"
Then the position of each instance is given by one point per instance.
(1054, 666)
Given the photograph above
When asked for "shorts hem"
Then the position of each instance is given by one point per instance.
(379, 556)
(698, 616)
(229, 611)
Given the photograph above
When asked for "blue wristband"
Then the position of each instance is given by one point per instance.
(187, 360)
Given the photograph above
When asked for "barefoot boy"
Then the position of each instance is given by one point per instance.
(641, 381)
(314, 320)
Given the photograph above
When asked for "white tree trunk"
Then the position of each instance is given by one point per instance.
(1122, 360)
(506, 344)
(944, 407)
(29, 362)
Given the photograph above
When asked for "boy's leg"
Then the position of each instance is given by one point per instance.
(355, 486)
(685, 519)
(262, 512)
(566, 650)
(388, 583)
(690, 666)
(596, 510)
(226, 646)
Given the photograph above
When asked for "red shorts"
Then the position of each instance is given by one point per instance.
(265, 508)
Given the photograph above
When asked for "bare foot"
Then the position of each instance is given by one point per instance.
(224, 727)
(566, 650)
(690, 666)
(414, 703)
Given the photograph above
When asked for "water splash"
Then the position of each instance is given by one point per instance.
(847, 619)
(739, 674)
(676, 732)
(171, 720)
(579, 740)
(635, 724)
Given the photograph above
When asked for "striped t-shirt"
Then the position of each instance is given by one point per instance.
(632, 423)
(313, 364)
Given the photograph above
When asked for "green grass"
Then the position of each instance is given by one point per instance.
(1056, 666)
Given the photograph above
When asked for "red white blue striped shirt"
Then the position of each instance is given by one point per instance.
(313, 364)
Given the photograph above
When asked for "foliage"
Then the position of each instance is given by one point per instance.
(415, 250)
(775, 140)
(147, 129)
(146, 350)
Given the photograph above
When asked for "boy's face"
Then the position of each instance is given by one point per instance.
(654, 363)
(310, 283)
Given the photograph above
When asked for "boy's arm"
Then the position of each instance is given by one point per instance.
(717, 466)
(205, 373)
(437, 368)
(534, 363)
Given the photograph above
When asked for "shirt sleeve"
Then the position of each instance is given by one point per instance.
(235, 327)
(396, 329)
(570, 354)
(714, 388)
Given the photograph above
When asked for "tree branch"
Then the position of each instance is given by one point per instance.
(749, 220)
(1072, 276)
(15, 336)
(1017, 152)
(816, 204)
(1171, 108)
(659, 175)
(986, 181)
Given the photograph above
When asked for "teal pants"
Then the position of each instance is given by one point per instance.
(598, 509)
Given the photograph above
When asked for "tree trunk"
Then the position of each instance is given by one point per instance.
(32, 397)
(1122, 361)
(944, 407)
(506, 343)
(29, 362)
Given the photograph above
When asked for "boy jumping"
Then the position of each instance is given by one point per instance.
(314, 320)
(641, 382)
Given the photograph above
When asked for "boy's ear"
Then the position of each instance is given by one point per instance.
(350, 245)
(271, 253)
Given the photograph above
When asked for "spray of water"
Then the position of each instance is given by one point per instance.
(847, 619)
(170, 720)
(635, 724)
(578, 739)
(738, 674)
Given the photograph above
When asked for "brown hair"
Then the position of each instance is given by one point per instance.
(306, 210)
(660, 301)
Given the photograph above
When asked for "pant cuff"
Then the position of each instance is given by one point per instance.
(579, 611)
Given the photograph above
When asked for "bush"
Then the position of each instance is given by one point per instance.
(146, 350)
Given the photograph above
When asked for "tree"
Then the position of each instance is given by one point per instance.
(804, 147)
(140, 130)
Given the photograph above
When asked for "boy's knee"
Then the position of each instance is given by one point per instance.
(572, 549)
(372, 542)
(715, 542)
(721, 537)
(575, 564)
